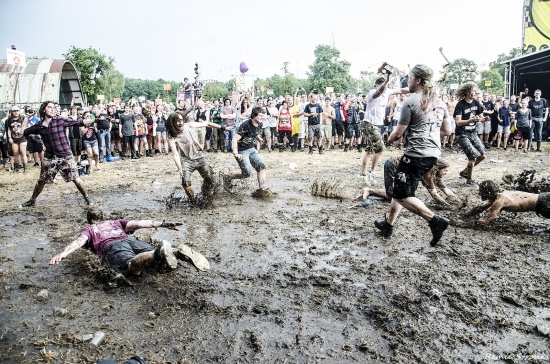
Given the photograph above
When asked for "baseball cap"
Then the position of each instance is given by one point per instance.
(14, 108)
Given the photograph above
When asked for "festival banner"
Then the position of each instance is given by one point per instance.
(536, 24)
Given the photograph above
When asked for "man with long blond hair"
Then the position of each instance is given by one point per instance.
(424, 120)
(469, 112)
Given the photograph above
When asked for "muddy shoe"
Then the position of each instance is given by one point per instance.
(384, 226)
(185, 253)
(438, 225)
(29, 203)
(463, 174)
(163, 253)
(262, 193)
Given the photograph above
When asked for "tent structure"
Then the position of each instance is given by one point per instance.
(40, 80)
(531, 71)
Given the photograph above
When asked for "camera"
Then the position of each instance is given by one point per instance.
(315, 91)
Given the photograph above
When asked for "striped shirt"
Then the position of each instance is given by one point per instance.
(54, 136)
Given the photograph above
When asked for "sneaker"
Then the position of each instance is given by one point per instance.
(108, 159)
(463, 174)
(29, 203)
(320, 150)
(438, 225)
(185, 253)
(384, 226)
(471, 182)
(102, 160)
(165, 254)
(36, 164)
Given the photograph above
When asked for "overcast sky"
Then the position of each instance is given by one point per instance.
(164, 38)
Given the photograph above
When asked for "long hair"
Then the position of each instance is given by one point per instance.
(465, 89)
(171, 122)
(441, 164)
(42, 110)
(490, 188)
(426, 74)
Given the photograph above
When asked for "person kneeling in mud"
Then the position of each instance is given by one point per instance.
(243, 145)
(517, 201)
(189, 154)
(431, 179)
(109, 240)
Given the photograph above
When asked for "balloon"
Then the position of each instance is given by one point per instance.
(243, 67)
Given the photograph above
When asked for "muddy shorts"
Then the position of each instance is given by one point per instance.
(409, 172)
(250, 159)
(314, 131)
(543, 205)
(191, 165)
(374, 142)
(471, 145)
(120, 253)
(390, 169)
(353, 130)
(66, 166)
(483, 127)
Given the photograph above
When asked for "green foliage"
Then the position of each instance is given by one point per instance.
(328, 71)
(501, 68)
(215, 90)
(366, 83)
(497, 82)
(92, 65)
(112, 83)
(460, 71)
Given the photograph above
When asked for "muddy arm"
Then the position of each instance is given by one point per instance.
(134, 225)
(72, 247)
(476, 210)
(493, 212)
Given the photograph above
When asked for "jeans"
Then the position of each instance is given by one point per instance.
(104, 138)
(250, 159)
(229, 137)
(536, 129)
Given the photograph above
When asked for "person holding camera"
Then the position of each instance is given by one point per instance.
(469, 112)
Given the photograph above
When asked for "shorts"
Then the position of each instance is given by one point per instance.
(149, 129)
(191, 165)
(374, 142)
(543, 205)
(503, 129)
(161, 130)
(250, 159)
(76, 146)
(142, 136)
(471, 145)
(353, 130)
(35, 146)
(409, 172)
(19, 140)
(525, 133)
(453, 125)
(326, 131)
(483, 127)
(115, 135)
(89, 144)
(266, 132)
(337, 128)
(121, 253)
(390, 169)
(313, 131)
(66, 166)
(302, 129)
(273, 131)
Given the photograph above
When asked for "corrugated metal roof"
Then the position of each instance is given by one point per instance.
(35, 66)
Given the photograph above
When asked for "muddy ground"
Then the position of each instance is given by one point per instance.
(294, 278)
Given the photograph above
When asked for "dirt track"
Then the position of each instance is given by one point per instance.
(295, 278)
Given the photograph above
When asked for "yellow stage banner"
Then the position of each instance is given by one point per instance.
(536, 23)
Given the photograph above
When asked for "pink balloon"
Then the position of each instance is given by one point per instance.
(243, 67)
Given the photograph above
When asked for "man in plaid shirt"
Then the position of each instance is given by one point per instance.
(58, 157)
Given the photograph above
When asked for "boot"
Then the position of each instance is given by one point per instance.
(538, 147)
(359, 148)
(311, 150)
(281, 148)
(320, 149)
(438, 225)
(384, 226)
(346, 147)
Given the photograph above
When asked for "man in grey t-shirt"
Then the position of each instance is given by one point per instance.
(126, 131)
(424, 120)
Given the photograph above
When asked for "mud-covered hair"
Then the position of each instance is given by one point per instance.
(171, 122)
(489, 187)
(441, 164)
(465, 89)
(94, 215)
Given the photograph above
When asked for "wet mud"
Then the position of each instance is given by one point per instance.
(294, 276)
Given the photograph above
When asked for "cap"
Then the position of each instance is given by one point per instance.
(14, 108)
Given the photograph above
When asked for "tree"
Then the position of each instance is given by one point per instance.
(328, 71)
(460, 71)
(501, 68)
(92, 65)
(366, 83)
(112, 83)
(497, 83)
(215, 90)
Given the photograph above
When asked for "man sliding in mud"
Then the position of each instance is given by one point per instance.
(188, 153)
(517, 201)
(128, 256)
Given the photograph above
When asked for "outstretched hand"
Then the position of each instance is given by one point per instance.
(171, 225)
(58, 258)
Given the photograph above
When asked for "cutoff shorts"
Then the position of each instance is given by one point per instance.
(120, 253)
(409, 172)
(471, 145)
(543, 205)
(191, 165)
(51, 166)
(374, 142)
(250, 159)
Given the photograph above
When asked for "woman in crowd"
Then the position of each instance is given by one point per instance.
(89, 138)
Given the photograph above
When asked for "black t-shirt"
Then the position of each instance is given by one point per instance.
(127, 122)
(248, 133)
(102, 124)
(467, 111)
(537, 107)
(514, 107)
(313, 109)
(90, 133)
(337, 108)
(488, 106)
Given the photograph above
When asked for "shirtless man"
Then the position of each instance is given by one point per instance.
(517, 201)
(450, 101)
(327, 116)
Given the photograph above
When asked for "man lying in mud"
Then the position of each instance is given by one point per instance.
(128, 256)
(497, 200)
(188, 153)
(432, 180)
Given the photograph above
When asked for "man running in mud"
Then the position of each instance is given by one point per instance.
(58, 157)
(109, 240)
(497, 200)
(188, 152)
(424, 119)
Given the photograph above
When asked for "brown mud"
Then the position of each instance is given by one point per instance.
(293, 277)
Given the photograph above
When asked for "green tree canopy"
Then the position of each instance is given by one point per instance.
(497, 83)
(215, 90)
(328, 71)
(460, 71)
(92, 65)
(497, 64)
